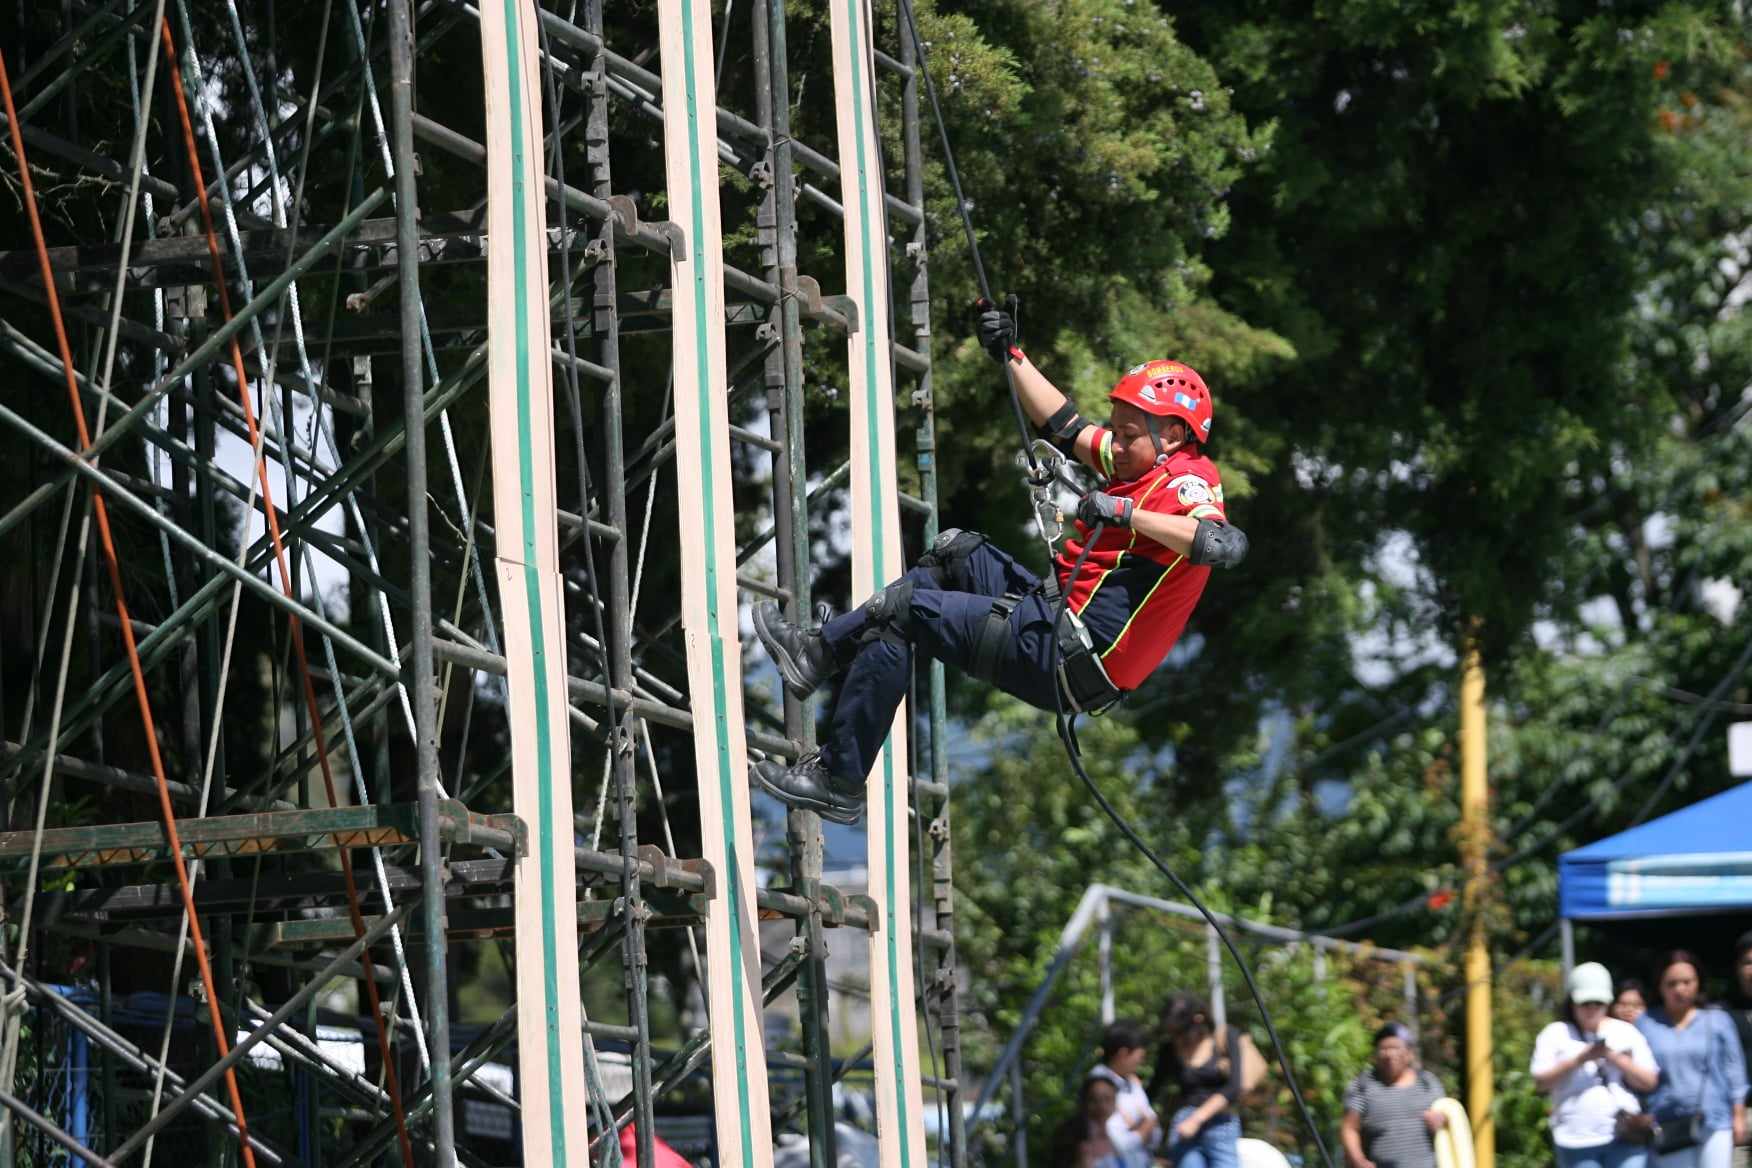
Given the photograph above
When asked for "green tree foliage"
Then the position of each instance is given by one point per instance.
(1466, 280)
(1494, 259)
(1444, 228)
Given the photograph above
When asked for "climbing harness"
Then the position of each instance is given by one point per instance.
(1062, 659)
(993, 638)
(1082, 679)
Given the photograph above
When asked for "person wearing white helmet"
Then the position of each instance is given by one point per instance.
(1594, 1066)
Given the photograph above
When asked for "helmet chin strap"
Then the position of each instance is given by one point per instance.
(1154, 425)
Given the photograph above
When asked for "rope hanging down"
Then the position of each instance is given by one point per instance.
(1067, 722)
(143, 700)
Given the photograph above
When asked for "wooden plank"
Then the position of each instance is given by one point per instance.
(526, 562)
(708, 584)
(877, 559)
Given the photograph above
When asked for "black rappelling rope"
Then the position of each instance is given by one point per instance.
(1067, 722)
(979, 273)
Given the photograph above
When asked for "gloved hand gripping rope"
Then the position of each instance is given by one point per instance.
(1097, 511)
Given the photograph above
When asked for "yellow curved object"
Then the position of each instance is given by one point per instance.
(1454, 1140)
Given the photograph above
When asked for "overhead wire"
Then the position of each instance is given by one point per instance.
(106, 538)
(1710, 708)
(1711, 712)
(1436, 898)
(1067, 723)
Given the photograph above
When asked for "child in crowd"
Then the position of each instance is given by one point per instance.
(1134, 1129)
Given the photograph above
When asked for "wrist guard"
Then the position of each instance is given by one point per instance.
(1064, 426)
(1221, 545)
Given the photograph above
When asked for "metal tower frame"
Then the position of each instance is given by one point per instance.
(245, 338)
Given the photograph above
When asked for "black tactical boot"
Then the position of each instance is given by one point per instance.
(806, 784)
(802, 655)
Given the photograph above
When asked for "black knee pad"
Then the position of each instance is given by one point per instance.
(948, 556)
(890, 610)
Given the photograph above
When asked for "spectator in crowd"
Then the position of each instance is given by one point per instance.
(1390, 1119)
(1629, 1001)
(1133, 1128)
(1593, 1066)
(1082, 1141)
(1699, 1101)
(1740, 1009)
(1200, 1067)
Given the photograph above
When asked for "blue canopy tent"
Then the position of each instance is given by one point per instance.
(1695, 861)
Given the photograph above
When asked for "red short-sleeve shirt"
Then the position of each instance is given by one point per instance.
(1134, 594)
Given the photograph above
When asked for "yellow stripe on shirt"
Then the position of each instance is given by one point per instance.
(1140, 608)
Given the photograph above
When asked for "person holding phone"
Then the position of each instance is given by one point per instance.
(1593, 1066)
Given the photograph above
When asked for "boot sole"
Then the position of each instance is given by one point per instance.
(795, 682)
(835, 812)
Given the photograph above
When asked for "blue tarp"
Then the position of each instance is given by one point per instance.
(1696, 860)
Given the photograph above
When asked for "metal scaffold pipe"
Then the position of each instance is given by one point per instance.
(254, 443)
(401, 91)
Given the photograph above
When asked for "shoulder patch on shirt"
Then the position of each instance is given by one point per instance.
(1193, 491)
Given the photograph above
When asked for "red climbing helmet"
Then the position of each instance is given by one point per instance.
(1168, 389)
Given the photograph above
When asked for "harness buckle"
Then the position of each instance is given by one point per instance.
(993, 637)
(1082, 678)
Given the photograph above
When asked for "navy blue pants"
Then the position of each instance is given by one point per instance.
(945, 625)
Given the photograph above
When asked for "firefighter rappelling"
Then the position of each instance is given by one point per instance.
(1126, 581)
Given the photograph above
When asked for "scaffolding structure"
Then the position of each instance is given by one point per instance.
(400, 452)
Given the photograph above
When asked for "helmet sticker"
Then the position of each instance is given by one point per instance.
(1148, 393)
(1205, 425)
(1137, 369)
(1185, 399)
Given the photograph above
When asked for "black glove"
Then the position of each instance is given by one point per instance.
(997, 331)
(1100, 507)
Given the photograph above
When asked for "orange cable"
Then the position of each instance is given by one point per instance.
(127, 626)
(391, 1080)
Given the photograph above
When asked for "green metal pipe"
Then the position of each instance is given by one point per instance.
(407, 234)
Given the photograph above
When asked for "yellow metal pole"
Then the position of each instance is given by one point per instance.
(1475, 837)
